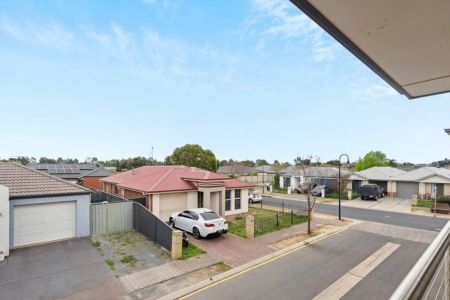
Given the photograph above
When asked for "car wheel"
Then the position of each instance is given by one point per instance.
(171, 221)
(196, 233)
(250, 200)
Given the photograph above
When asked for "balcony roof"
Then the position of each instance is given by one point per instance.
(406, 42)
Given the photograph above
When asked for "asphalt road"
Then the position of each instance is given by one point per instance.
(379, 216)
(305, 273)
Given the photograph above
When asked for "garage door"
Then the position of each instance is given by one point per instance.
(170, 203)
(42, 223)
(405, 190)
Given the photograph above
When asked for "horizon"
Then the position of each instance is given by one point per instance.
(247, 80)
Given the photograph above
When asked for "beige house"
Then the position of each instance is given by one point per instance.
(167, 189)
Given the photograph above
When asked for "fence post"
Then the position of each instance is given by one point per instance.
(250, 226)
(277, 220)
(292, 217)
(177, 244)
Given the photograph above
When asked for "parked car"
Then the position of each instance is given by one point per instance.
(201, 222)
(254, 197)
(304, 186)
(370, 191)
(317, 191)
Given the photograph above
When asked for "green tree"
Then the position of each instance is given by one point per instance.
(276, 180)
(193, 155)
(261, 162)
(373, 159)
(248, 163)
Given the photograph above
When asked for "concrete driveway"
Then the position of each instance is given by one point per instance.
(385, 203)
(71, 269)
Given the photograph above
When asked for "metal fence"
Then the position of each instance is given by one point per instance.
(151, 226)
(297, 208)
(111, 217)
(430, 276)
(99, 196)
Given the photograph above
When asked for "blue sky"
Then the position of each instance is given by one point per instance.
(246, 79)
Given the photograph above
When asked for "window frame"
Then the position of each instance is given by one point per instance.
(228, 200)
(237, 199)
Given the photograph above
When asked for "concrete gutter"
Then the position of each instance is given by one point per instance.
(252, 265)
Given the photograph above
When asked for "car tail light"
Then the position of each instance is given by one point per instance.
(209, 225)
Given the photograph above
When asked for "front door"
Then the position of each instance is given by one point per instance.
(200, 199)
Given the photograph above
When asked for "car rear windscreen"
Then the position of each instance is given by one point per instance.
(210, 215)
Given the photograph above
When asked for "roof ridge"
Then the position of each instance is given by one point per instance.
(48, 175)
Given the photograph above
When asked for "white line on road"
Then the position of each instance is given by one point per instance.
(344, 284)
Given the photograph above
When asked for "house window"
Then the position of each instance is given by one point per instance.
(227, 200)
(199, 199)
(237, 199)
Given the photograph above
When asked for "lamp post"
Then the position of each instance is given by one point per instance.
(339, 181)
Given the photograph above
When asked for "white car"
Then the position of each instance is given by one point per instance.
(254, 197)
(201, 222)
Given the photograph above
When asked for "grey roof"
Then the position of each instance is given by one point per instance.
(377, 173)
(65, 171)
(236, 169)
(24, 182)
(424, 173)
(266, 169)
(325, 172)
(99, 172)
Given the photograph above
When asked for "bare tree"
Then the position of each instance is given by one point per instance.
(308, 169)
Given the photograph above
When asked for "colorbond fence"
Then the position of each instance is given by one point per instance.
(111, 217)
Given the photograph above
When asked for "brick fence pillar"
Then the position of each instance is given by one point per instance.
(250, 226)
(177, 244)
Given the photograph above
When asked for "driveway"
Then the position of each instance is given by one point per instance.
(72, 269)
(232, 249)
(385, 203)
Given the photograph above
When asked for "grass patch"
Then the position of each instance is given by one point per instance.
(424, 203)
(129, 259)
(125, 238)
(279, 190)
(110, 264)
(96, 244)
(191, 251)
(265, 221)
(237, 226)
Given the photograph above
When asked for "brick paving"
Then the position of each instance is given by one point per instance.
(151, 276)
(232, 249)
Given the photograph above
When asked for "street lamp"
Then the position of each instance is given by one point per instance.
(339, 181)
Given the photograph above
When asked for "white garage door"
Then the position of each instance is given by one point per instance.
(170, 203)
(42, 223)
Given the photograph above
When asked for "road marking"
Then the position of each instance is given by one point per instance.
(344, 284)
(256, 266)
(386, 216)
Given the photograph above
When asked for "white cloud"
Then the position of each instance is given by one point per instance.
(51, 35)
(116, 42)
(279, 18)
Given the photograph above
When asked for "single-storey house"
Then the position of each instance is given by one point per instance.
(71, 172)
(383, 176)
(92, 179)
(402, 184)
(421, 181)
(36, 207)
(294, 176)
(167, 189)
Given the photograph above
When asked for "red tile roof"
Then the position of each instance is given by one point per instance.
(169, 178)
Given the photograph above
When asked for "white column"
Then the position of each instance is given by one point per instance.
(4, 222)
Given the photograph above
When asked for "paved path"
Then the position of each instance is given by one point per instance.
(306, 273)
(151, 276)
(385, 217)
(232, 249)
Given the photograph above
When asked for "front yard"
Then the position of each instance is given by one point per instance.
(265, 221)
(128, 252)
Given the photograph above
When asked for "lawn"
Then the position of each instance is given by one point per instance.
(265, 221)
(191, 251)
(424, 203)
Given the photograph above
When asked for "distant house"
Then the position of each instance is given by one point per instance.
(266, 169)
(237, 170)
(167, 189)
(402, 184)
(383, 176)
(294, 176)
(37, 208)
(85, 174)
